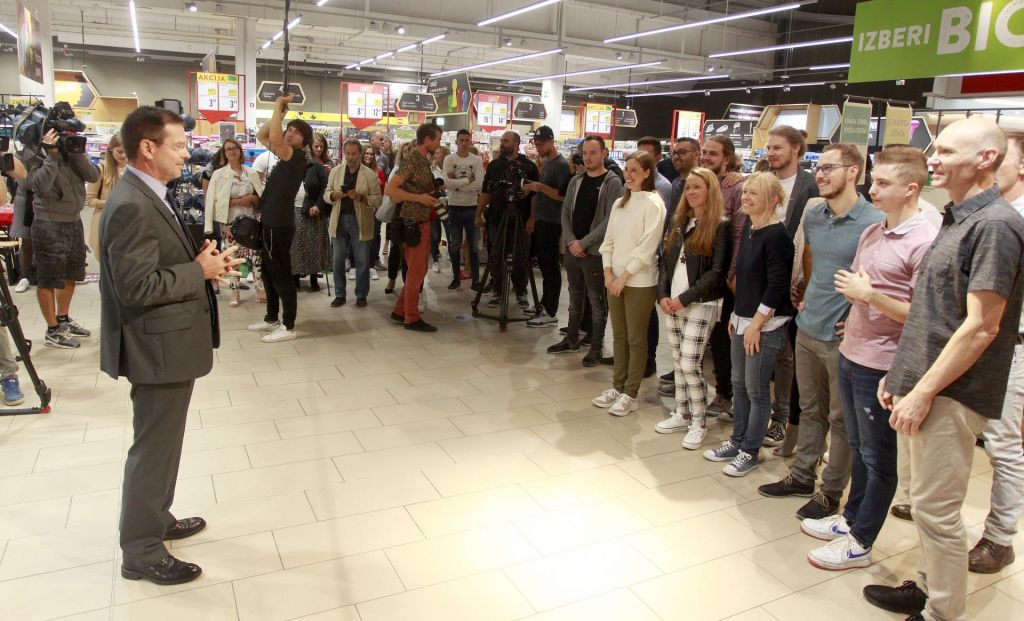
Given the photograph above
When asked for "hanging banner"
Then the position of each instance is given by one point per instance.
(897, 125)
(268, 92)
(624, 117)
(856, 128)
(598, 119)
(740, 132)
(217, 95)
(30, 45)
(525, 108)
(417, 102)
(452, 93)
(363, 103)
(687, 124)
(492, 111)
(896, 39)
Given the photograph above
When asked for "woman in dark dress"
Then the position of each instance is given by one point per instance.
(309, 247)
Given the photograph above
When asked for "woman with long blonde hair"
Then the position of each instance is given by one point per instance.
(694, 264)
(113, 165)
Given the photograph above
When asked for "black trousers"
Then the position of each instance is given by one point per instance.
(546, 237)
(721, 348)
(496, 258)
(151, 469)
(276, 256)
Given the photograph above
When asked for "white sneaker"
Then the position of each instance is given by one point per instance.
(676, 422)
(22, 286)
(249, 278)
(374, 275)
(263, 326)
(827, 528)
(607, 398)
(542, 320)
(279, 334)
(694, 437)
(842, 553)
(623, 405)
(436, 267)
(351, 272)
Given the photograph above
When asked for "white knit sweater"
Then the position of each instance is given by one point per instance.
(632, 238)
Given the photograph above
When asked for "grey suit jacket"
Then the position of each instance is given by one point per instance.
(804, 189)
(158, 324)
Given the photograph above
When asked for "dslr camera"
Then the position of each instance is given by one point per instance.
(509, 188)
(36, 121)
(441, 195)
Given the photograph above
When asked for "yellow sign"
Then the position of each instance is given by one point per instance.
(897, 125)
(217, 77)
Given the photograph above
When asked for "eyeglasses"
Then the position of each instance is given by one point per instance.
(828, 168)
(681, 153)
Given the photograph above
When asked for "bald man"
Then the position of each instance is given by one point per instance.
(950, 373)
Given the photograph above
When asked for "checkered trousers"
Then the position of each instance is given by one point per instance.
(688, 333)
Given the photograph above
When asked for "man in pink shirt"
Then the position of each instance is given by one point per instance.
(879, 286)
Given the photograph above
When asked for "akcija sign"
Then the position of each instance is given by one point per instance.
(896, 39)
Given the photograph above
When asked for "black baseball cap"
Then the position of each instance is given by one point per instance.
(543, 133)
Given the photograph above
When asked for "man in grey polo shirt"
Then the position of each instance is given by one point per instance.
(950, 373)
(831, 231)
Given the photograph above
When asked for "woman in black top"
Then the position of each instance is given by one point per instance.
(758, 323)
(691, 283)
(310, 244)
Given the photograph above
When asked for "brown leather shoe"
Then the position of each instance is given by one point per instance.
(902, 512)
(988, 557)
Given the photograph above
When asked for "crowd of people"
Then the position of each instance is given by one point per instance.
(864, 330)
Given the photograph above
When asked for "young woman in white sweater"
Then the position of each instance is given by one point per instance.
(631, 277)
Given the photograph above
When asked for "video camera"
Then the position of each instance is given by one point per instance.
(34, 122)
(510, 186)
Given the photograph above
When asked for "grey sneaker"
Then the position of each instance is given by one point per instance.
(727, 452)
(740, 465)
(73, 328)
(56, 337)
(776, 434)
(720, 406)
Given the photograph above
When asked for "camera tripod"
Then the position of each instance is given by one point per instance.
(510, 218)
(9, 320)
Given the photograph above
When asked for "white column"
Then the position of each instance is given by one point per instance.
(40, 10)
(551, 91)
(245, 63)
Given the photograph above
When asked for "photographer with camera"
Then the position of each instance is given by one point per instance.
(412, 185)
(504, 189)
(57, 176)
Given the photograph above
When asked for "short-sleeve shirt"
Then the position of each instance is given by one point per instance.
(514, 170)
(891, 258)
(555, 174)
(419, 179)
(277, 204)
(980, 247)
(833, 243)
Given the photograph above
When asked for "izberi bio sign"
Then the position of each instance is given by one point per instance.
(897, 39)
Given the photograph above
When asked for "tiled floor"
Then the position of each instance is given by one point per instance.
(362, 472)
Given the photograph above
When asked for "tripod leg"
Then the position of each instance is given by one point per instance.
(9, 319)
(506, 275)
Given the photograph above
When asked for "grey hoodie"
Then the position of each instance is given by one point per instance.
(59, 185)
(611, 190)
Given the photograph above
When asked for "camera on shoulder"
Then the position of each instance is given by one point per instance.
(34, 122)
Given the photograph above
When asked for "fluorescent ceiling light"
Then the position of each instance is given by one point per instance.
(433, 39)
(280, 33)
(827, 67)
(135, 26)
(294, 22)
(368, 60)
(541, 78)
(407, 48)
(519, 11)
(715, 20)
(352, 66)
(400, 50)
(385, 55)
(322, 2)
(500, 61)
(8, 31)
(730, 88)
(788, 46)
(719, 76)
(266, 45)
(964, 75)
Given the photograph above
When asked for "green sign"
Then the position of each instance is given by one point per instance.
(856, 127)
(896, 39)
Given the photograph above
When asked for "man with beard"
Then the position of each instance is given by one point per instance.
(545, 223)
(504, 189)
(685, 155)
(832, 231)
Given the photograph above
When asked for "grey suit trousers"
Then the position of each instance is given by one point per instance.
(151, 469)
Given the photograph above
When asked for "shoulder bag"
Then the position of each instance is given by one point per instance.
(248, 231)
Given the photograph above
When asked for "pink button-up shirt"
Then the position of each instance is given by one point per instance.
(891, 259)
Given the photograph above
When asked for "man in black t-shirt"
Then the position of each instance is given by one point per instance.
(503, 189)
(278, 216)
(545, 223)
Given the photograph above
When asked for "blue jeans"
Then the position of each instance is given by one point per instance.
(873, 444)
(435, 238)
(751, 398)
(347, 237)
(463, 219)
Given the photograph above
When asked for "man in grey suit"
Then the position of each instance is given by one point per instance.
(159, 328)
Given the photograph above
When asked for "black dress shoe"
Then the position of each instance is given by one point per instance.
(397, 317)
(166, 572)
(420, 326)
(905, 599)
(902, 511)
(360, 302)
(336, 302)
(185, 528)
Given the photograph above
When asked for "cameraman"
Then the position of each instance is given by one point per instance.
(57, 179)
(504, 189)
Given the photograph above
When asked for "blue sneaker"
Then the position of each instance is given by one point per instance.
(741, 464)
(727, 452)
(12, 391)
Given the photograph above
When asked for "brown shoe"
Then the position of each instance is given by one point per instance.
(902, 512)
(988, 557)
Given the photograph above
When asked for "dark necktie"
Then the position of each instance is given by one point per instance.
(210, 297)
(176, 208)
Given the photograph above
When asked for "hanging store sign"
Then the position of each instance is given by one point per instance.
(687, 124)
(897, 125)
(452, 93)
(74, 87)
(217, 95)
(270, 91)
(740, 132)
(598, 119)
(857, 128)
(526, 109)
(30, 45)
(363, 103)
(417, 102)
(743, 112)
(624, 117)
(895, 39)
(492, 111)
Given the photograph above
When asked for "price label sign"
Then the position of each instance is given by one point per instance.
(217, 95)
(598, 119)
(492, 111)
(363, 103)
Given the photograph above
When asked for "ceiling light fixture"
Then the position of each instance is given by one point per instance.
(728, 89)
(407, 48)
(266, 45)
(278, 35)
(618, 55)
(8, 31)
(788, 46)
(135, 25)
(400, 30)
(294, 22)
(519, 11)
(500, 61)
(719, 76)
(403, 49)
(384, 55)
(714, 20)
(322, 2)
(508, 42)
(827, 67)
(433, 39)
(541, 78)
(191, 6)
(964, 75)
